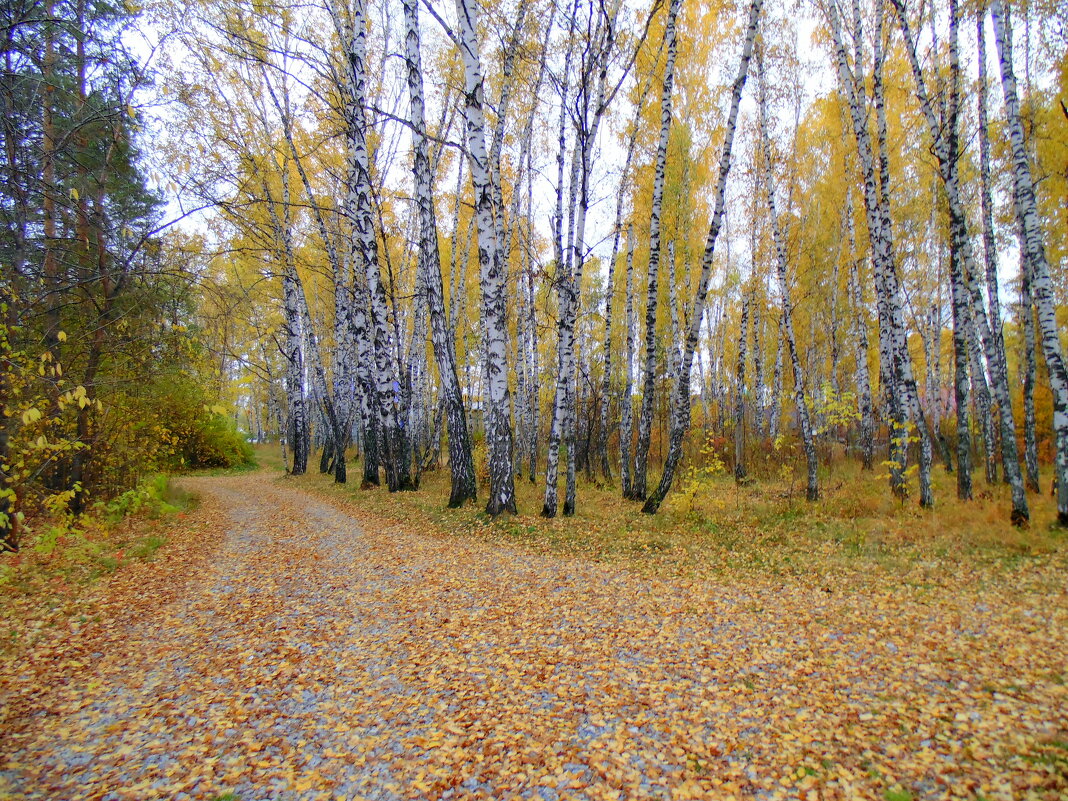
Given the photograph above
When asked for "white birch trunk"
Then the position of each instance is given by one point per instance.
(625, 413)
(739, 391)
(364, 244)
(964, 268)
(461, 461)
(680, 407)
(494, 302)
(895, 361)
(639, 480)
(1041, 282)
(812, 492)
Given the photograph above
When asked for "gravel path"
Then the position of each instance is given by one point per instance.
(314, 657)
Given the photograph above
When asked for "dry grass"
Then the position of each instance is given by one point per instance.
(764, 529)
(51, 581)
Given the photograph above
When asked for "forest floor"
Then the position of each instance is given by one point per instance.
(290, 642)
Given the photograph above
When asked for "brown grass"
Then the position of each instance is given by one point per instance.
(762, 530)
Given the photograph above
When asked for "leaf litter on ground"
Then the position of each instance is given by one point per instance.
(292, 645)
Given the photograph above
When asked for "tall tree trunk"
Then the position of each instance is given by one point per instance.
(297, 427)
(587, 120)
(1041, 282)
(494, 301)
(987, 213)
(775, 404)
(364, 244)
(860, 342)
(895, 361)
(336, 424)
(370, 419)
(561, 256)
(680, 408)
(807, 438)
(739, 390)
(617, 229)
(1029, 368)
(461, 461)
(535, 390)
(645, 420)
(758, 363)
(932, 345)
(625, 411)
(946, 149)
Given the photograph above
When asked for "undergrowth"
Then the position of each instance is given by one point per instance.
(48, 578)
(764, 527)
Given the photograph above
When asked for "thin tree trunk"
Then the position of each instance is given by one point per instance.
(680, 408)
(1029, 368)
(860, 341)
(494, 304)
(947, 152)
(1038, 266)
(739, 390)
(895, 361)
(461, 461)
(645, 421)
(932, 345)
(775, 406)
(336, 424)
(812, 492)
(617, 229)
(758, 363)
(625, 413)
(561, 255)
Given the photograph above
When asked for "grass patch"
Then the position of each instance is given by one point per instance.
(48, 580)
(857, 529)
(237, 470)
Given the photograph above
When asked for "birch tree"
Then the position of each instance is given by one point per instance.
(492, 271)
(461, 462)
(1034, 249)
(964, 269)
(393, 444)
(894, 358)
(739, 387)
(639, 480)
(812, 492)
(680, 407)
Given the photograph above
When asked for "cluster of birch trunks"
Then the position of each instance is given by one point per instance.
(397, 408)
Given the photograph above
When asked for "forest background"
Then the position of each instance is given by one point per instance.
(806, 247)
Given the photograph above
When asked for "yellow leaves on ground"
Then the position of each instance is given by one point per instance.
(307, 659)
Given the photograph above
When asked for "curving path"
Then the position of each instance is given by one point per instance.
(316, 656)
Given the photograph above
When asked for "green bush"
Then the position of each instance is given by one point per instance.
(152, 495)
(215, 442)
(198, 435)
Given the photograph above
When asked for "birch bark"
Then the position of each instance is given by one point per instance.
(947, 152)
(863, 376)
(739, 391)
(617, 229)
(625, 414)
(680, 407)
(812, 491)
(895, 361)
(461, 461)
(494, 301)
(1034, 248)
(645, 421)
(364, 246)
(1029, 368)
